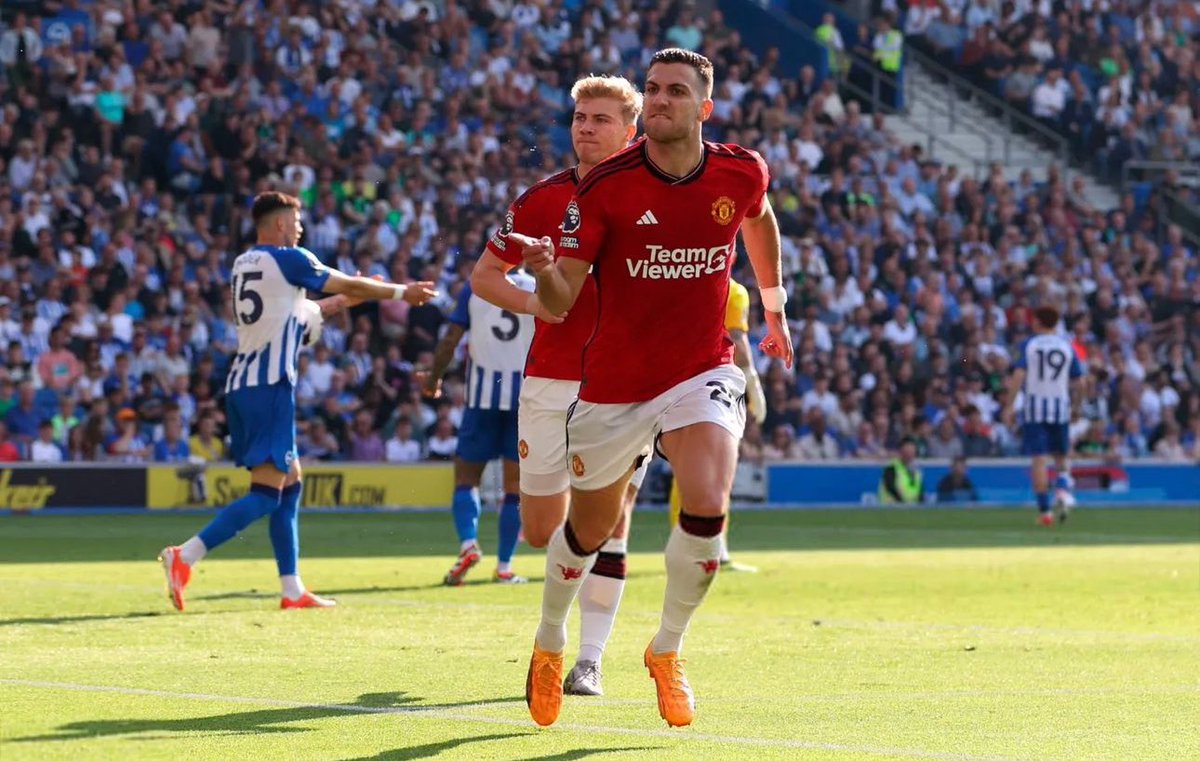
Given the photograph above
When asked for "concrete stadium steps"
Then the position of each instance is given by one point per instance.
(974, 136)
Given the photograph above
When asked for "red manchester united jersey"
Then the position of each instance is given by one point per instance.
(661, 248)
(557, 350)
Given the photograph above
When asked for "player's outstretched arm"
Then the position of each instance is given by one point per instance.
(761, 235)
(559, 281)
(489, 281)
(360, 288)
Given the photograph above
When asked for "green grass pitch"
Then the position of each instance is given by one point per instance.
(868, 634)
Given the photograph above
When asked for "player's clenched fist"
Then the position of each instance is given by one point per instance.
(538, 253)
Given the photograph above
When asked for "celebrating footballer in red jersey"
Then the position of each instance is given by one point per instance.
(603, 123)
(658, 223)
(662, 254)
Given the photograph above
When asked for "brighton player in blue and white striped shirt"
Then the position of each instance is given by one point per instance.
(1043, 374)
(274, 320)
(498, 344)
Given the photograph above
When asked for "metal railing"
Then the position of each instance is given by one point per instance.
(880, 82)
(933, 141)
(1189, 173)
(1177, 209)
(1009, 114)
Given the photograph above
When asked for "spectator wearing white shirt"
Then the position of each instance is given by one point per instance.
(820, 397)
(1050, 98)
(912, 200)
(321, 370)
(402, 447)
(899, 331)
(818, 443)
(807, 148)
(44, 448)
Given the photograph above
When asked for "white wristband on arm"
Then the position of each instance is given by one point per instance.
(773, 298)
(398, 290)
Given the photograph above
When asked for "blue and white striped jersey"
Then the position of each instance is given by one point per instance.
(269, 305)
(498, 344)
(1049, 362)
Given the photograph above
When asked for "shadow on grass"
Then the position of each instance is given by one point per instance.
(578, 753)
(81, 619)
(104, 538)
(430, 750)
(267, 720)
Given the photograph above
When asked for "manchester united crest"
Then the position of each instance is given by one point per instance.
(577, 465)
(507, 229)
(523, 449)
(722, 210)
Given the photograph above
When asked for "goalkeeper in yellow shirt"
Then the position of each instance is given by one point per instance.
(737, 322)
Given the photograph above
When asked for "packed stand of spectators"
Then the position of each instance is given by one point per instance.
(133, 143)
(1120, 80)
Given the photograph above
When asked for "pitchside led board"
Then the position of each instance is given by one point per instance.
(324, 486)
(25, 488)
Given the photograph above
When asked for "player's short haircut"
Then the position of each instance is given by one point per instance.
(702, 66)
(618, 88)
(266, 204)
(1047, 317)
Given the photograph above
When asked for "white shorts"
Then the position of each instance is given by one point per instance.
(542, 427)
(606, 440)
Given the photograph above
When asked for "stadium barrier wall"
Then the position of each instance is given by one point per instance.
(325, 485)
(999, 482)
(27, 488)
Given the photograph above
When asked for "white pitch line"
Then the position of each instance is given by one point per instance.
(447, 714)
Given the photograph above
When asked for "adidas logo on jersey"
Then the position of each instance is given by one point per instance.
(648, 219)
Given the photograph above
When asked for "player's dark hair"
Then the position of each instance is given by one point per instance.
(266, 204)
(701, 65)
(1047, 317)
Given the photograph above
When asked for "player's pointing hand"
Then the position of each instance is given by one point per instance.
(538, 253)
(419, 292)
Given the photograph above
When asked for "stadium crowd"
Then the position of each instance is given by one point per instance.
(1119, 80)
(134, 135)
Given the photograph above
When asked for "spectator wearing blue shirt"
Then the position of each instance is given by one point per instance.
(23, 419)
(172, 447)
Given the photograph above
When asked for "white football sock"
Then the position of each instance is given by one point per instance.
(503, 567)
(293, 587)
(724, 547)
(192, 551)
(468, 543)
(599, 599)
(692, 563)
(565, 572)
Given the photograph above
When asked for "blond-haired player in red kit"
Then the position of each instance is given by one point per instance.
(658, 222)
(604, 121)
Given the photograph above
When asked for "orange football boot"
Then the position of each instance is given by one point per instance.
(307, 600)
(676, 703)
(178, 573)
(467, 559)
(544, 686)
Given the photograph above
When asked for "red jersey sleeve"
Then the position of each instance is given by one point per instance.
(498, 244)
(762, 176)
(583, 227)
